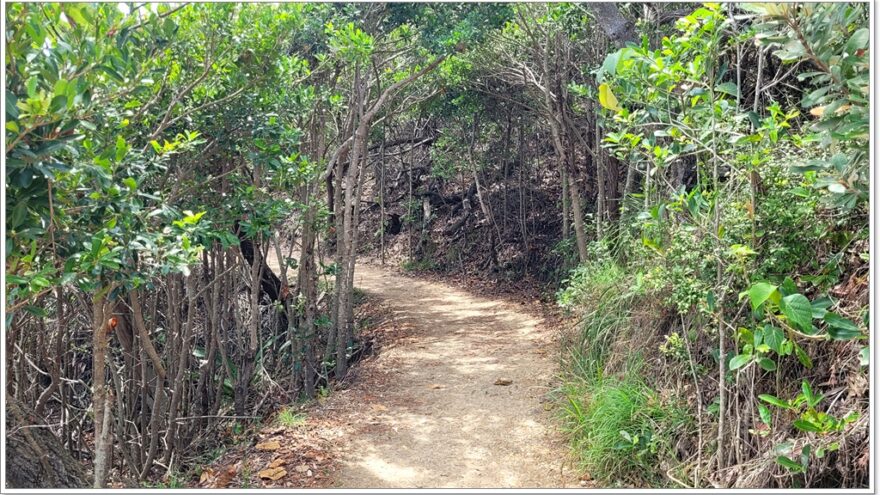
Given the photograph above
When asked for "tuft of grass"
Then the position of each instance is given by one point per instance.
(287, 417)
(620, 429)
(358, 296)
(171, 480)
(606, 295)
(324, 392)
(424, 265)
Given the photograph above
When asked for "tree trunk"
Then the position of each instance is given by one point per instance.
(616, 27)
(35, 458)
(101, 325)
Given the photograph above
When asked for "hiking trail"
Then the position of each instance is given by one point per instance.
(460, 401)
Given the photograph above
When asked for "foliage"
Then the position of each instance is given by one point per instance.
(834, 39)
(771, 189)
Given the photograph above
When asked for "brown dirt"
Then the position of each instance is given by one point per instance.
(434, 409)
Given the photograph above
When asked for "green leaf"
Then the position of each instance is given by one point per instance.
(121, 148)
(839, 322)
(739, 361)
(11, 108)
(193, 218)
(15, 279)
(609, 66)
(806, 390)
(765, 414)
(773, 337)
(798, 311)
(774, 401)
(112, 73)
(802, 356)
(844, 334)
(31, 87)
(130, 183)
(789, 464)
(58, 104)
(37, 311)
(767, 363)
(60, 88)
(859, 40)
(804, 425)
(864, 356)
(73, 12)
(805, 455)
(788, 287)
(820, 306)
(760, 292)
(728, 88)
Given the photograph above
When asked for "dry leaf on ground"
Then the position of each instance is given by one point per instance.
(273, 473)
(271, 445)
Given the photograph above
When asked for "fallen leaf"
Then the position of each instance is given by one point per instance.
(302, 468)
(857, 384)
(206, 475)
(224, 478)
(273, 473)
(271, 445)
(503, 382)
(277, 463)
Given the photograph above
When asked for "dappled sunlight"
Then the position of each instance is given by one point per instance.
(463, 401)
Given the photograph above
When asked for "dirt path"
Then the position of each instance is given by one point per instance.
(427, 410)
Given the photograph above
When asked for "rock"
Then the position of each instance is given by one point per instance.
(503, 382)
(302, 468)
(270, 445)
(277, 463)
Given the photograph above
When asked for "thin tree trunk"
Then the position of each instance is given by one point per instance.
(100, 401)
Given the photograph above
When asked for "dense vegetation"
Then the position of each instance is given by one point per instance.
(189, 187)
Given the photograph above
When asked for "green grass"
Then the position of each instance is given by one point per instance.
(418, 265)
(620, 429)
(171, 480)
(290, 419)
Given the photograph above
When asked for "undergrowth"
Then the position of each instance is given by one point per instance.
(618, 426)
(620, 429)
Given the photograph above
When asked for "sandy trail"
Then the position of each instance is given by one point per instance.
(426, 412)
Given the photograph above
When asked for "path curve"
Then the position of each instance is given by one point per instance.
(428, 410)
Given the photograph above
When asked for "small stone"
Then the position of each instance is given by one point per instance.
(503, 382)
